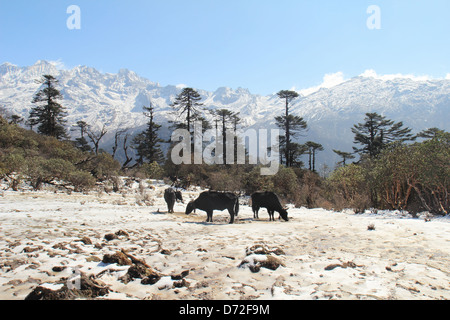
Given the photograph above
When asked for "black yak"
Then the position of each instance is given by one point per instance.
(211, 200)
(171, 196)
(270, 201)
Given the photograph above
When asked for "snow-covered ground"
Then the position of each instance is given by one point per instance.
(323, 254)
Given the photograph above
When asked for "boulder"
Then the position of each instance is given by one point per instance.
(88, 288)
(118, 258)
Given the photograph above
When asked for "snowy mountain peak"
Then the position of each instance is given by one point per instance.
(7, 68)
(331, 109)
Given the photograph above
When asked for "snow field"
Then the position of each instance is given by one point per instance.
(326, 255)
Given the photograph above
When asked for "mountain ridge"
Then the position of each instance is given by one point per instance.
(116, 101)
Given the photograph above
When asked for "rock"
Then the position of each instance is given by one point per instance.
(89, 288)
(151, 279)
(139, 270)
(166, 252)
(180, 276)
(29, 249)
(111, 236)
(115, 236)
(93, 259)
(262, 256)
(263, 249)
(349, 264)
(332, 267)
(345, 265)
(60, 246)
(119, 258)
(256, 262)
(41, 293)
(122, 233)
(272, 263)
(181, 283)
(86, 240)
(59, 268)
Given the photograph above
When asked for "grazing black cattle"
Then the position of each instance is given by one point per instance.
(211, 200)
(270, 201)
(171, 196)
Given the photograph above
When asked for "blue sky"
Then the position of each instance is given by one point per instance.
(262, 45)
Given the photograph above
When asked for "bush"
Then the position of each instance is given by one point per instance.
(310, 190)
(41, 170)
(224, 181)
(350, 188)
(103, 166)
(81, 180)
(415, 177)
(253, 181)
(13, 161)
(42, 159)
(153, 170)
(286, 184)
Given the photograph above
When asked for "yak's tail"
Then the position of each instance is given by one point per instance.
(236, 207)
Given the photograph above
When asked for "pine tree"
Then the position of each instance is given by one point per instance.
(430, 133)
(313, 147)
(15, 119)
(344, 155)
(81, 142)
(376, 133)
(290, 124)
(225, 116)
(295, 152)
(147, 143)
(187, 104)
(50, 115)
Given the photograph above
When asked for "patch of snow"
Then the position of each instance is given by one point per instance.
(402, 258)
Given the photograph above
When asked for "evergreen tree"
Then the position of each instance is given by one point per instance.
(344, 155)
(48, 113)
(225, 116)
(147, 143)
(187, 104)
(81, 142)
(295, 152)
(290, 124)
(430, 133)
(313, 147)
(376, 133)
(15, 119)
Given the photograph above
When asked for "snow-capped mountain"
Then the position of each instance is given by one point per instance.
(116, 100)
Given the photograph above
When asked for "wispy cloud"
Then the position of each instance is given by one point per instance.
(59, 64)
(373, 74)
(181, 86)
(330, 80)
